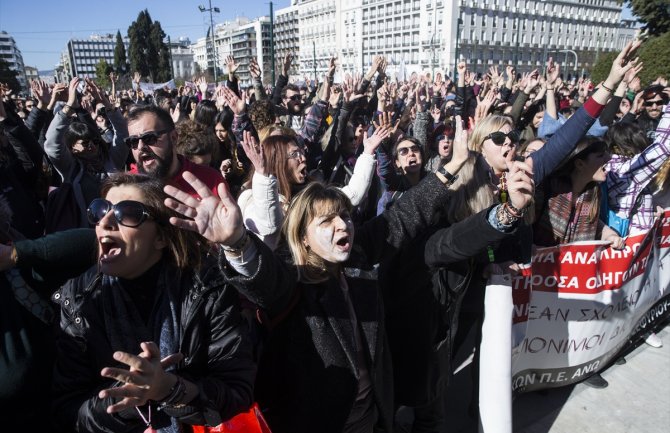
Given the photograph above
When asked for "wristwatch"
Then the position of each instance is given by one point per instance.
(450, 177)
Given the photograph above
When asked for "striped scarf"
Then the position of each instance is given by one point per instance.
(559, 222)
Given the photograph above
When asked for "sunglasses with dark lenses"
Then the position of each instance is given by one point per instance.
(498, 137)
(149, 138)
(128, 213)
(295, 97)
(652, 103)
(403, 151)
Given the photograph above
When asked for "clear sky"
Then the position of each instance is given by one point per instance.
(41, 28)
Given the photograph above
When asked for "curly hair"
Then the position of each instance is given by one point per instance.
(262, 114)
(195, 139)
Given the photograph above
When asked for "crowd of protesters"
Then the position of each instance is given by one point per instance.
(171, 258)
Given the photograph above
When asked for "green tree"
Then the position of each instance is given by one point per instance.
(120, 61)
(8, 76)
(140, 52)
(655, 14)
(655, 54)
(163, 71)
(602, 68)
(102, 70)
(148, 53)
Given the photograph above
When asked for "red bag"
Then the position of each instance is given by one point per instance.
(245, 422)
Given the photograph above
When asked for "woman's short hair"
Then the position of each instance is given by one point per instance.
(194, 139)
(486, 126)
(183, 246)
(315, 200)
(84, 131)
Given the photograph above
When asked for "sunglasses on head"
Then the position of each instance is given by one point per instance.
(403, 151)
(498, 137)
(149, 138)
(128, 213)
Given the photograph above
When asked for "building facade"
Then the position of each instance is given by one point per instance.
(527, 32)
(82, 55)
(10, 53)
(241, 39)
(286, 39)
(183, 61)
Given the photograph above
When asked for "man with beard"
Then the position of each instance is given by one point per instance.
(653, 99)
(152, 136)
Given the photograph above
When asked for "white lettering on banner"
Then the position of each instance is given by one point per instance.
(565, 345)
(585, 370)
(521, 310)
(592, 257)
(545, 258)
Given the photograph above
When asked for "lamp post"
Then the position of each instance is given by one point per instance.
(211, 27)
(574, 54)
(459, 23)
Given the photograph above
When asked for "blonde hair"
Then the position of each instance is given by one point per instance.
(486, 126)
(662, 179)
(472, 190)
(315, 200)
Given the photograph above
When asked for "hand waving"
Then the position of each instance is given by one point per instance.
(218, 220)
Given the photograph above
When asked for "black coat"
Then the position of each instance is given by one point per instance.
(307, 378)
(213, 339)
(426, 283)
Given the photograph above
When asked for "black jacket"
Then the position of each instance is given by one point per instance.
(426, 283)
(213, 339)
(307, 380)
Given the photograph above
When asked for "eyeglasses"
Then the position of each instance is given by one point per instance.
(658, 103)
(403, 151)
(149, 138)
(295, 97)
(296, 154)
(128, 213)
(498, 137)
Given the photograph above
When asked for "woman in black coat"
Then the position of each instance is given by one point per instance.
(326, 366)
(151, 335)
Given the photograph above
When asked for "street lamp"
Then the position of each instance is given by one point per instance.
(459, 23)
(211, 26)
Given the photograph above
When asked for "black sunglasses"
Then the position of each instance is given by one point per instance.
(654, 102)
(149, 138)
(498, 137)
(296, 97)
(128, 213)
(405, 150)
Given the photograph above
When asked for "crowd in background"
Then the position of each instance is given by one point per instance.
(319, 248)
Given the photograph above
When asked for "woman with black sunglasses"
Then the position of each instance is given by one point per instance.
(80, 155)
(151, 337)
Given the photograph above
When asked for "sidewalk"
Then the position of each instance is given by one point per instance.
(637, 399)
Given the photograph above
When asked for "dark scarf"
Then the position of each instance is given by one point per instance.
(126, 327)
(558, 222)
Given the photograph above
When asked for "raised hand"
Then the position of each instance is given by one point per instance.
(254, 69)
(553, 72)
(202, 84)
(175, 113)
(332, 65)
(370, 144)
(436, 113)
(625, 61)
(460, 152)
(254, 152)
(72, 93)
(232, 66)
(218, 220)
(286, 66)
(532, 80)
(386, 121)
(40, 91)
(145, 380)
(520, 184)
(237, 105)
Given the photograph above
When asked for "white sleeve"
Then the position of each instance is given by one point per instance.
(360, 181)
(262, 209)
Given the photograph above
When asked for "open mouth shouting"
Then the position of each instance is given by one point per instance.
(343, 244)
(110, 249)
